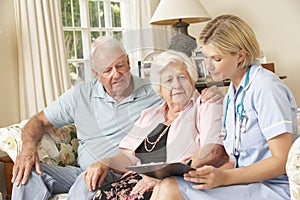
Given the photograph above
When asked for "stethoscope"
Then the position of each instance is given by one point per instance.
(240, 126)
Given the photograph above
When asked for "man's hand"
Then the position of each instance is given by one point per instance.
(24, 163)
(95, 174)
(31, 135)
(212, 95)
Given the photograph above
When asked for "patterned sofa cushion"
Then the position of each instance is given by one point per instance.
(58, 145)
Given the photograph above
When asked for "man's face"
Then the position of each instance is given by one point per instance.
(113, 71)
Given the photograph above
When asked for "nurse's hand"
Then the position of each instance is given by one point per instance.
(212, 95)
(206, 177)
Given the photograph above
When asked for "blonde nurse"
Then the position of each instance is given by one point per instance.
(259, 122)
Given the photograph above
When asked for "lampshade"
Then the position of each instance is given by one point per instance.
(168, 12)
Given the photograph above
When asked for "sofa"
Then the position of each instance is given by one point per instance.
(293, 165)
(59, 147)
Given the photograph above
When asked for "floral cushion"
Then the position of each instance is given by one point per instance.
(58, 145)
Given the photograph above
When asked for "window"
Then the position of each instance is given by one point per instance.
(84, 21)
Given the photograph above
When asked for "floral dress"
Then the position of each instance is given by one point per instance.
(152, 149)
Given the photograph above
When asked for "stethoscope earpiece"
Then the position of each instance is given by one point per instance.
(243, 129)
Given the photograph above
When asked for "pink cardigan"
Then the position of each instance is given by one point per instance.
(196, 125)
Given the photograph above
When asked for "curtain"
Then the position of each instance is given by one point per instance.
(42, 62)
(142, 39)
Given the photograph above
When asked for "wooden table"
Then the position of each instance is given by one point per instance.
(200, 85)
(8, 166)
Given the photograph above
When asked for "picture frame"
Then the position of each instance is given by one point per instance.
(199, 62)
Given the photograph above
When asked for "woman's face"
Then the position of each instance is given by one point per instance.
(176, 85)
(221, 66)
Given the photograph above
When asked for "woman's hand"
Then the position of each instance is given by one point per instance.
(95, 174)
(210, 154)
(206, 177)
(147, 183)
(212, 95)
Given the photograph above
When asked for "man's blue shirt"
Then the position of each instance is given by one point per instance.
(101, 121)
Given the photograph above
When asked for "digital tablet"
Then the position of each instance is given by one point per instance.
(161, 170)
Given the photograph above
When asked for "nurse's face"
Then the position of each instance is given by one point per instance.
(221, 65)
(176, 86)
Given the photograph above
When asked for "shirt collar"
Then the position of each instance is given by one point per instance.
(138, 84)
(253, 71)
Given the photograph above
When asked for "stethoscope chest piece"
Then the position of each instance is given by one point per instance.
(223, 134)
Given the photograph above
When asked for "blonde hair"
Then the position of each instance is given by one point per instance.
(229, 34)
(161, 61)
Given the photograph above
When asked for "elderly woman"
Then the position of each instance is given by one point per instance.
(171, 132)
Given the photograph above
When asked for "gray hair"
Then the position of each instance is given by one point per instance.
(163, 60)
(106, 43)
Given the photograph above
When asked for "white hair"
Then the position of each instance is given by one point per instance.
(164, 59)
(108, 44)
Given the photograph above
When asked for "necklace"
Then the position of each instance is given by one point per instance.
(146, 140)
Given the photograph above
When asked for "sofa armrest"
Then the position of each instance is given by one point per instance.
(293, 165)
(293, 170)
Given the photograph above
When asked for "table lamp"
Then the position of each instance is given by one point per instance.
(180, 14)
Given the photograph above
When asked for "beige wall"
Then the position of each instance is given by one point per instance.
(8, 73)
(8, 68)
(277, 27)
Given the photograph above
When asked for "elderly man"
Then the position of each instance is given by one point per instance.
(103, 111)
